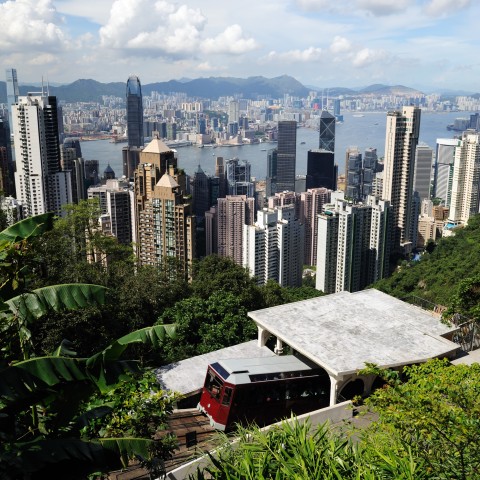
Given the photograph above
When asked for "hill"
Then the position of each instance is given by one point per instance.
(437, 275)
(87, 90)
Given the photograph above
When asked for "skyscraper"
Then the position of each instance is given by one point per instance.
(443, 174)
(12, 93)
(286, 155)
(403, 128)
(321, 169)
(134, 112)
(354, 245)
(233, 212)
(273, 247)
(41, 185)
(423, 171)
(466, 178)
(327, 132)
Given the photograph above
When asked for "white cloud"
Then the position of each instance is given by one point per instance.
(340, 45)
(44, 59)
(310, 54)
(314, 5)
(230, 41)
(437, 8)
(153, 26)
(32, 25)
(384, 7)
(367, 56)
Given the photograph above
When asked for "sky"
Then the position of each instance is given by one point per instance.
(432, 45)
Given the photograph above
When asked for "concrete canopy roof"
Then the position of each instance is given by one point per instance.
(342, 331)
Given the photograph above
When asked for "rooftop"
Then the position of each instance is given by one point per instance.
(342, 331)
(156, 146)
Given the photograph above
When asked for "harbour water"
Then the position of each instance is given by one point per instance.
(362, 132)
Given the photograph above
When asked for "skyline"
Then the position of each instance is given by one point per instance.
(426, 44)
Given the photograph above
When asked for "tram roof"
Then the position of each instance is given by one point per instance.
(342, 331)
(240, 371)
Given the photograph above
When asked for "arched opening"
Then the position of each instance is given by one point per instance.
(352, 389)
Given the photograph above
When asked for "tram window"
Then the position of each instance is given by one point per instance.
(213, 384)
(227, 396)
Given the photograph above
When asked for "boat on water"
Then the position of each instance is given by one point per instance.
(358, 115)
(302, 143)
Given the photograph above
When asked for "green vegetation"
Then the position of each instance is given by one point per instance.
(437, 275)
(46, 400)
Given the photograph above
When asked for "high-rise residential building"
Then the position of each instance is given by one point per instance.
(41, 185)
(13, 93)
(403, 128)
(286, 155)
(92, 174)
(370, 168)
(321, 169)
(312, 203)
(116, 200)
(134, 112)
(199, 188)
(422, 178)
(233, 212)
(166, 227)
(273, 247)
(327, 132)
(354, 245)
(465, 200)
(443, 169)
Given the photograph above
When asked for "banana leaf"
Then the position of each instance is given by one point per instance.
(30, 227)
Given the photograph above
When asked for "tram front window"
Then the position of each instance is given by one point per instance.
(213, 384)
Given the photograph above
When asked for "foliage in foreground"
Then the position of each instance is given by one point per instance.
(295, 451)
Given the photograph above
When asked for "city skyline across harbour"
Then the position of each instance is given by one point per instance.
(363, 132)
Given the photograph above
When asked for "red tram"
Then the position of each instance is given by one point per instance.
(262, 390)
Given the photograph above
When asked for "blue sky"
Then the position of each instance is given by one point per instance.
(427, 44)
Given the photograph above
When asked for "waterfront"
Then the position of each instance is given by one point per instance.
(363, 132)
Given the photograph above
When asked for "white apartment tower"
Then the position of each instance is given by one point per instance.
(354, 245)
(403, 128)
(466, 178)
(273, 247)
(41, 185)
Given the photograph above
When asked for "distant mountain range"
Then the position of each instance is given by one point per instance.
(213, 87)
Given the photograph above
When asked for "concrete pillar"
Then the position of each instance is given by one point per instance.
(262, 336)
(333, 390)
(279, 347)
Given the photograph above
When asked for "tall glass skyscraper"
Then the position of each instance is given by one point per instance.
(286, 155)
(134, 112)
(12, 92)
(327, 132)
